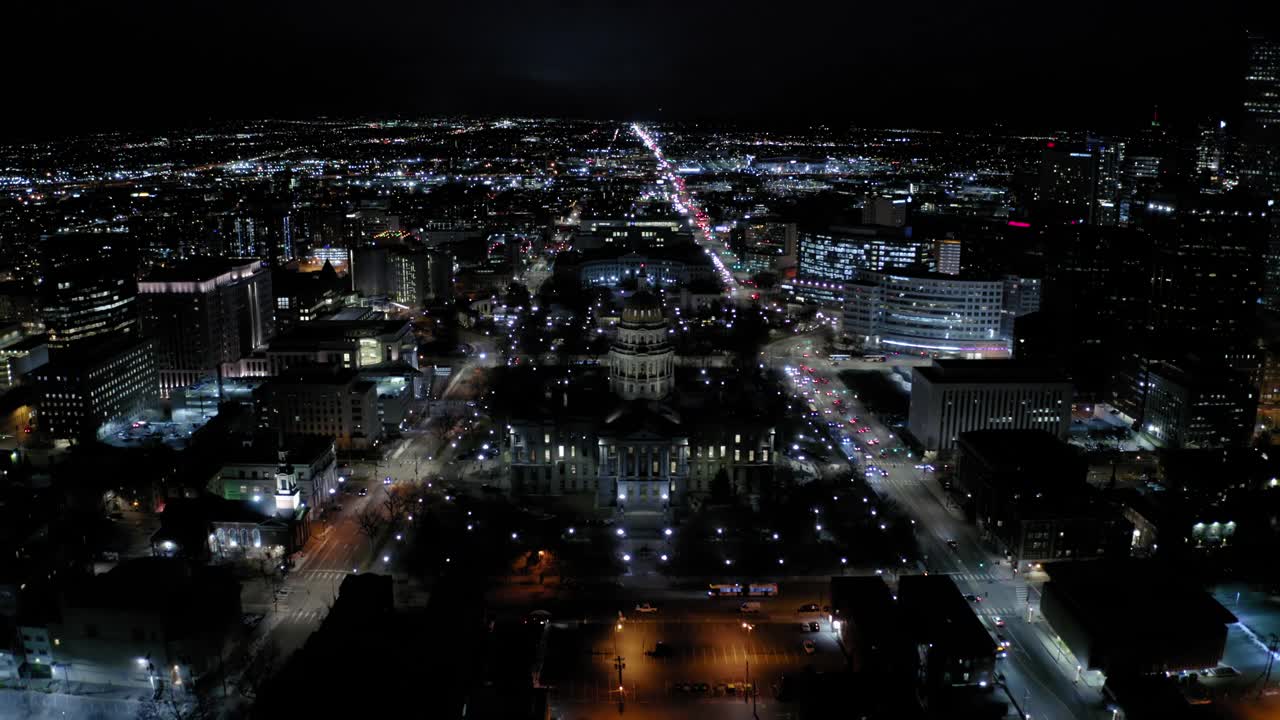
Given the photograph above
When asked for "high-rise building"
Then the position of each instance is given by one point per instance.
(204, 313)
(1020, 296)
(829, 258)
(1260, 136)
(768, 245)
(85, 304)
(1207, 269)
(948, 256)
(1190, 404)
(922, 312)
(402, 274)
(1262, 83)
(1068, 183)
(885, 210)
(80, 392)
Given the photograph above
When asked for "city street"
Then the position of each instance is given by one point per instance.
(1040, 674)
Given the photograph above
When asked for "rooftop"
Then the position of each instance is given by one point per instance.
(988, 371)
(939, 614)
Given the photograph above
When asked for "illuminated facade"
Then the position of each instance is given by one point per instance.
(924, 313)
(957, 396)
(203, 314)
(81, 393)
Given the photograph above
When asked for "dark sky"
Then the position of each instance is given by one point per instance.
(902, 62)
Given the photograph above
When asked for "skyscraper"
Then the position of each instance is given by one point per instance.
(86, 303)
(1068, 183)
(1262, 84)
(205, 313)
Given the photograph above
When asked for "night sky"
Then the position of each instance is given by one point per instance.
(1104, 65)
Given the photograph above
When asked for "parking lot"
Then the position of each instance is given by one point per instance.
(712, 656)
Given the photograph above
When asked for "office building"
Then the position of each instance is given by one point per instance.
(1026, 491)
(885, 210)
(924, 313)
(204, 313)
(85, 304)
(768, 245)
(1207, 269)
(331, 401)
(1262, 84)
(80, 393)
(1068, 191)
(1020, 296)
(957, 396)
(831, 257)
(20, 353)
(948, 256)
(351, 344)
(1193, 404)
(1134, 617)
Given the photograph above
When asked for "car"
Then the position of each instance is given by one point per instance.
(646, 608)
(951, 543)
(810, 647)
(814, 626)
(808, 608)
(699, 687)
(282, 592)
(999, 621)
(538, 617)
(804, 627)
(362, 492)
(972, 598)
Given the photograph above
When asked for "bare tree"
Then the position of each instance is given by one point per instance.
(369, 521)
(395, 505)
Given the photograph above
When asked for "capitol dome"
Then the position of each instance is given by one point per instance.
(642, 361)
(642, 307)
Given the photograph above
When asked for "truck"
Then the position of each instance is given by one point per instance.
(749, 607)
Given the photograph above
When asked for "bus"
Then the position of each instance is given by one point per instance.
(873, 358)
(837, 357)
(762, 589)
(725, 590)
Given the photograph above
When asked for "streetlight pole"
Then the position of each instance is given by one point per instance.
(750, 688)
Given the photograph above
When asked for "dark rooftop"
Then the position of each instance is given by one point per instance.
(1019, 451)
(936, 611)
(991, 371)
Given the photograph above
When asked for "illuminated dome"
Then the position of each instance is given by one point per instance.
(643, 307)
(642, 362)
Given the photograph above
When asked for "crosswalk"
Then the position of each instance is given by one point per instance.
(321, 574)
(972, 577)
(996, 611)
(303, 615)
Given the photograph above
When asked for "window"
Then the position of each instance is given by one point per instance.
(737, 439)
(560, 452)
(737, 454)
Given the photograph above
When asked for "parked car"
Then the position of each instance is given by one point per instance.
(814, 627)
(810, 647)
